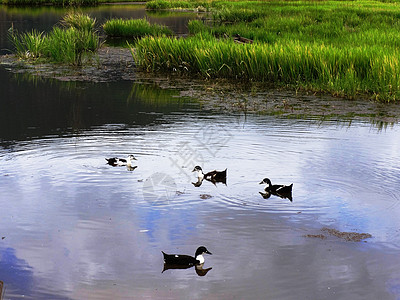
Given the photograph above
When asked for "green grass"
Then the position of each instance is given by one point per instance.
(178, 4)
(133, 28)
(348, 48)
(67, 45)
(345, 72)
(79, 21)
(51, 2)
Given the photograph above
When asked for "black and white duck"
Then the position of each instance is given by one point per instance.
(280, 190)
(186, 260)
(115, 161)
(213, 176)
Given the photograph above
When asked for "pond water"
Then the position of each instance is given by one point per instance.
(73, 227)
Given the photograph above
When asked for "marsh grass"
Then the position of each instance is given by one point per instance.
(50, 2)
(345, 72)
(28, 45)
(67, 45)
(197, 5)
(346, 48)
(79, 21)
(134, 28)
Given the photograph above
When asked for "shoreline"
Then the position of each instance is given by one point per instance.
(114, 64)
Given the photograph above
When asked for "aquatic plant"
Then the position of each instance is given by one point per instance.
(70, 45)
(62, 45)
(134, 28)
(79, 21)
(179, 4)
(28, 45)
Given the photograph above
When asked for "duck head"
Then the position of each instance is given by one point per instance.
(199, 254)
(266, 181)
(199, 173)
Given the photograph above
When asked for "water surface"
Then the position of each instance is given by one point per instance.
(73, 227)
(76, 228)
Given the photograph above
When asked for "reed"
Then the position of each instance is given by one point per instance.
(134, 28)
(70, 45)
(51, 2)
(346, 72)
(62, 45)
(28, 45)
(79, 21)
(198, 5)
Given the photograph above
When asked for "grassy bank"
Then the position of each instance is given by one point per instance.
(51, 2)
(341, 71)
(69, 44)
(197, 5)
(133, 28)
(60, 2)
(346, 48)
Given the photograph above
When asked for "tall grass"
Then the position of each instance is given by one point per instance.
(51, 2)
(134, 28)
(62, 45)
(199, 5)
(79, 21)
(346, 72)
(28, 45)
(344, 47)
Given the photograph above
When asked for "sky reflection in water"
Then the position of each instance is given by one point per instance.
(77, 228)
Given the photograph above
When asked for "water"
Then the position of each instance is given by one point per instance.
(73, 227)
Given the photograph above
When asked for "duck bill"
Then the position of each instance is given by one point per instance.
(261, 182)
(208, 252)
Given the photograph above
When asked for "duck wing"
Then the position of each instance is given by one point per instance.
(216, 175)
(112, 161)
(182, 260)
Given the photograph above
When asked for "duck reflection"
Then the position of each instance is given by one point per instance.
(200, 271)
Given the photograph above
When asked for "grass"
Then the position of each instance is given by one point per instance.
(345, 72)
(51, 2)
(66, 45)
(348, 48)
(179, 4)
(133, 28)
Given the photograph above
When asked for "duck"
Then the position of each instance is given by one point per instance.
(213, 176)
(115, 161)
(186, 260)
(280, 190)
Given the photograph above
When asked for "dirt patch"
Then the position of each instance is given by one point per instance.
(205, 196)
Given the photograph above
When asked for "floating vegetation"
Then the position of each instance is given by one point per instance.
(134, 28)
(347, 236)
(62, 45)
